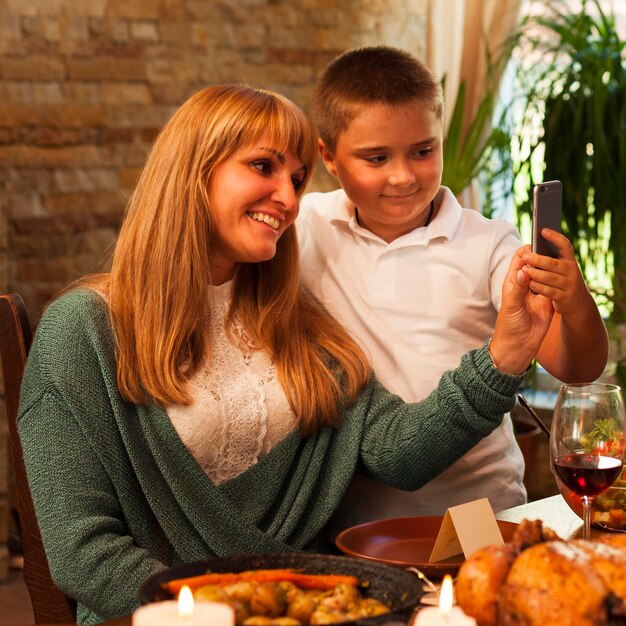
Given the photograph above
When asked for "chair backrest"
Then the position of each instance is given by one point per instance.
(50, 604)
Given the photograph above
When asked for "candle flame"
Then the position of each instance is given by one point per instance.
(445, 595)
(185, 602)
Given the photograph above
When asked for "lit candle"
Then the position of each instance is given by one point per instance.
(184, 612)
(445, 614)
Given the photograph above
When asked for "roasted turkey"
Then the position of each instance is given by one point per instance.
(538, 579)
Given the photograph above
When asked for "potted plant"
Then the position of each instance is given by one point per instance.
(466, 156)
(470, 146)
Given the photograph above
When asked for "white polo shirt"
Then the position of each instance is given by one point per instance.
(416, 305)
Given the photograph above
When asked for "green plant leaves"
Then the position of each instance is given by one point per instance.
(578, 91)
(468, 146)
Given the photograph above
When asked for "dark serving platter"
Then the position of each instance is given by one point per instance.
(399, 589)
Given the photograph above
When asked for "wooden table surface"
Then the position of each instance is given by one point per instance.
(552, 511)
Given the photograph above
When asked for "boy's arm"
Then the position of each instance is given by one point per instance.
(576, 347)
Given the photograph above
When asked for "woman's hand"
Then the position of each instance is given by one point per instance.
(523, 320)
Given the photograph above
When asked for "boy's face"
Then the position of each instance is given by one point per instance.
(389, 163)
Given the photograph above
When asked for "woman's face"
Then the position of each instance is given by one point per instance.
(253, 196)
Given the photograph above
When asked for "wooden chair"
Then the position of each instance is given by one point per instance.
(50, 604)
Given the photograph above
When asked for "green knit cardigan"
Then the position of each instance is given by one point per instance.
(119, 497)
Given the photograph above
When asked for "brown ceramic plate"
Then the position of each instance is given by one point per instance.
(404, 542)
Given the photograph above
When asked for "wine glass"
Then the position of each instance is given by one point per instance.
(587, 441)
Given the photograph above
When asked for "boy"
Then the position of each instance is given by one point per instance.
(416, 277)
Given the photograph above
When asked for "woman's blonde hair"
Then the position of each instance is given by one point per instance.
(158, 285)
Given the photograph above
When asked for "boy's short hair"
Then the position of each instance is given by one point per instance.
(370, 75)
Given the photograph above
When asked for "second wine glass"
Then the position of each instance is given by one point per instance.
(587, 441)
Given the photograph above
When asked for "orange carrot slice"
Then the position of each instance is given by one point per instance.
(225, 578)
(304, 581)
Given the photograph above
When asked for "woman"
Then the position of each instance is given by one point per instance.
(196, 400)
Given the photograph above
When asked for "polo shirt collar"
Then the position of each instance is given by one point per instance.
(445, 224)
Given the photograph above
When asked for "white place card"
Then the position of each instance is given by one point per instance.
(465, 529)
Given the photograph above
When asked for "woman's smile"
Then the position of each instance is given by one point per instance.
(265, 218)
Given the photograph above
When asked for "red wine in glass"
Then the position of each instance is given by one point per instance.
(587, 474)
(586, 441)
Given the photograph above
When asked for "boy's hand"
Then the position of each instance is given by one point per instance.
(523, 320)
(558, 279)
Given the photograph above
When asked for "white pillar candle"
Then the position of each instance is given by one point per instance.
(445, 614)
(184, 612)
(434, 616)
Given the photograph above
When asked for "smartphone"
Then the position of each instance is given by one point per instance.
(547, 207)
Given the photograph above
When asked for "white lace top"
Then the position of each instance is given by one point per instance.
(239, 410)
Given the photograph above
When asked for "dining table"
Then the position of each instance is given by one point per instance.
(552, 511)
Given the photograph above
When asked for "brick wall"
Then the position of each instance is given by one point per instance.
(86, 84)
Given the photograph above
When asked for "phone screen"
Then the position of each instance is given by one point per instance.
(547, 206)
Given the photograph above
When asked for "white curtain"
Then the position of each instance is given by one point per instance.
(459, 33)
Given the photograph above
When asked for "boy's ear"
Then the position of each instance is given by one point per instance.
(327, 157)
